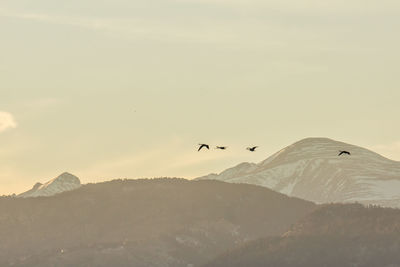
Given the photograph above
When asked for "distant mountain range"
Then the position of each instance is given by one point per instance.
(311, 169)
(62, 183)
(226, 223)
(152, 223)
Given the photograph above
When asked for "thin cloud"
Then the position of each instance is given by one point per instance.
(151, 29)
(88, 23)
(328, 6)
(7, 121)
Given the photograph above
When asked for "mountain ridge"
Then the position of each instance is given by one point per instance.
(311, 169)
(64, 182)
(332, 235)
(144, 222)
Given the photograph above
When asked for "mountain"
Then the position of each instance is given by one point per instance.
(311, 169)
(62, 183)
(157, 222)
(343, 235)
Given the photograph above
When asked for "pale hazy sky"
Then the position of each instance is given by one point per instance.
(123, 88)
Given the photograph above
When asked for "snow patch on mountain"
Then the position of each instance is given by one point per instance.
(311, 169)
(62, 183)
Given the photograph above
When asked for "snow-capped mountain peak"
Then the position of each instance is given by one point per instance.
(312, 169)
(64, 182)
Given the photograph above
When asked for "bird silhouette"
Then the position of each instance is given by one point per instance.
(221, 147)
(203, 145)
(252, 149)
(344, 152)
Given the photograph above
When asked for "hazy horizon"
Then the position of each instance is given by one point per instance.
(127, 89)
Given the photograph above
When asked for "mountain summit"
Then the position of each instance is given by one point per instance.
(311, 169)
(64, 182)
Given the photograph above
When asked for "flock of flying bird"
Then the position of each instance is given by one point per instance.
(253, 148)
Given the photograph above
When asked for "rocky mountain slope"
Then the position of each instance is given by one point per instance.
(311, 169)
(158, 222)
(62, 183)
(334, 235)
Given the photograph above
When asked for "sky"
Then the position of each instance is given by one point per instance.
(109, 89)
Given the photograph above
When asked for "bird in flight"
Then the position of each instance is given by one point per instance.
(221, 147)
(344, 152)
(203, 145)
(252, 149)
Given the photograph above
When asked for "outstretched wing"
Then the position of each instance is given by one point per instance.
(252, 149)
(203, 145)
(344, 152)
